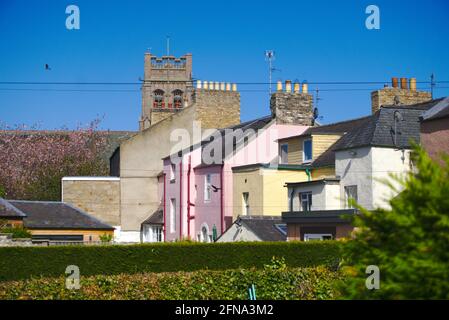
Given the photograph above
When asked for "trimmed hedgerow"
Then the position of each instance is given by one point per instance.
(273, 284)
(25, 262)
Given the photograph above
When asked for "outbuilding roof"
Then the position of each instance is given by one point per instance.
(56, 215)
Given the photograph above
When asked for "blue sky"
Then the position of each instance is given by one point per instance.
(317, 41)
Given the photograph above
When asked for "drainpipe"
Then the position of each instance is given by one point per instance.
(188, 196)
(164, 211)
(180, 200)
(308, 174)
(221, 199)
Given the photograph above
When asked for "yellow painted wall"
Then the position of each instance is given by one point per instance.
(253, 185)
(86, 233)
(322, 142)
(275, 195)
(321, 173)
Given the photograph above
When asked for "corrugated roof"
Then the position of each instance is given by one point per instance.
(56, 215)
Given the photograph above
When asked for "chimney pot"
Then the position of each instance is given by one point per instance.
(305, 88)
(198, 84)
(288, 86)
(217, 85)
(206, 85)
(228, 86)
(403, 83)
(279, 86)
(412, 84)
(234, 87)
(394, 82)
(222, 86)
(296, 87)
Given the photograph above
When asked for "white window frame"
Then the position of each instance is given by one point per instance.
(204, 238)
(172, 215)
(283, 161)
(304, 153)
(347, 195)
(309, 200)
(245, 203)
(172, 172)
(317, 236)
(207, 187)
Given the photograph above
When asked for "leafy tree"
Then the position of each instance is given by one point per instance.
(409, 243)
(34, 161)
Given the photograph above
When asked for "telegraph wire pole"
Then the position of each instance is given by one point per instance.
(269, 55)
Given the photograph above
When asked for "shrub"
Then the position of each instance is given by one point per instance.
(17, 232)
(290, 283)
(26, 262)
(106, 238)
(409, 243)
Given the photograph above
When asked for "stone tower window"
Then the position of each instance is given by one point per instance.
(158, 99)
(177, 98)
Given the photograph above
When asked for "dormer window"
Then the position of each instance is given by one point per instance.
(158, 99)
(177, 98)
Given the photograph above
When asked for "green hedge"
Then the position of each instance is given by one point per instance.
(25, 262)
(288, 283)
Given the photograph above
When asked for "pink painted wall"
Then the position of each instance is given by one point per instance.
(262, 149)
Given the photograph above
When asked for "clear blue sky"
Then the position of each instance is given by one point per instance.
(314, 40)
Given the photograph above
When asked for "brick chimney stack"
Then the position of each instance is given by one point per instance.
(404, 94)
(289, 107)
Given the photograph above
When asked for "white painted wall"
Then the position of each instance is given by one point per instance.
(325, 196)
(365, 168)
(354, 167)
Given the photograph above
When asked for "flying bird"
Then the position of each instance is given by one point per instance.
(47, 67)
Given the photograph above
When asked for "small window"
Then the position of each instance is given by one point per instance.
(204, 234)
(282, 228)
(305, 199)
(172, 172)
(207, 187)
(177, 98)
(350, 193)
(245, 198)
(307, 151)
(317, 236)
(158, 96)
(284, 154)
(156, 235)
(172, 215)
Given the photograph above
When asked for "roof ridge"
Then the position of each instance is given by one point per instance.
(344, 121)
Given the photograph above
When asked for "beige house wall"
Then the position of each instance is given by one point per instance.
(97, 196)
(250, 181)
(141, 156)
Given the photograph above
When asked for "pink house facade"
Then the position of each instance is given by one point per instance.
(197, 184)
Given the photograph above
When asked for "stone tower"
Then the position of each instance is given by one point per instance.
(167, 87)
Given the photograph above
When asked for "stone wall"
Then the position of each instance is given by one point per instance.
(292, 108)
(97, 196)
(217, 108)
(387, 96)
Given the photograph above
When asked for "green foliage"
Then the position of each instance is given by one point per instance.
(17, 232)
(106, 238)
(409, 243)
(26, 262)
(2, 191)
(290, 283)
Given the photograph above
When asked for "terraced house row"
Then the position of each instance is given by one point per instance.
(195, 171)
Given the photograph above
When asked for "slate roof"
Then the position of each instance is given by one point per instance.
(380, 129)
(337, 127)
(437, 111)
(226, 135)
(264, 227)
(9, 211)
(56, 215)
(318, 216)
(156, 218)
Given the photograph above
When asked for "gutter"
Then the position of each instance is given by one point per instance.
(188, 196)
(164, 211)
(221, 199)
(180, 200)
